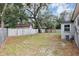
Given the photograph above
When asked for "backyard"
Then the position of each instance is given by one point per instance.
(43, 44)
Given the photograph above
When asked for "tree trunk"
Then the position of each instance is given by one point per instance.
(2, 24)
(46, 30)
(38, 26)
(39, 30)
(2, 15)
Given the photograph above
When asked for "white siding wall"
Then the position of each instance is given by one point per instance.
(72, 29)
(63, 33)
(77, 39)
(77, 31)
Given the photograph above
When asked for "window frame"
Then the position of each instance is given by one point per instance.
(67, 27)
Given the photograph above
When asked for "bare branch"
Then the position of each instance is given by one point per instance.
(30, 11)
(31, 17)
(38, 9)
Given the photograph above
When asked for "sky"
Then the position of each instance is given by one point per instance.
(57, 8)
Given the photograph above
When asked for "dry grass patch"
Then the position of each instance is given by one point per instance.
(43, 44)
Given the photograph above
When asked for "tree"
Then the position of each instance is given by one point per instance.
(63, 17)
(2, 15)
(13, 14)
(51, 23)
(33, 10)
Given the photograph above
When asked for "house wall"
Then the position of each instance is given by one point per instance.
(76, 31)
(76, 39)
(63, 33)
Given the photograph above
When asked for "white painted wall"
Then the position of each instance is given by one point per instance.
(76, 31)
(63, 33)
(76, 39)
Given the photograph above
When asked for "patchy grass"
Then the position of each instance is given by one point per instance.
(44, 44)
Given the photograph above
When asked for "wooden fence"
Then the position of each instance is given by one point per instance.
(21, 31)
(3, 35)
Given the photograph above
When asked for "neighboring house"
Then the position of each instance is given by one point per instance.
(70, 29)
(67, 28)
(21, 25)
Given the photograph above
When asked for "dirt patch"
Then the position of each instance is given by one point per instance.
(63, 47)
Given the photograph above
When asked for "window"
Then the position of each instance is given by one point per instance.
(66, 27)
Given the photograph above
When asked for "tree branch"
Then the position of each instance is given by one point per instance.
(38, 9)
(31, 17)
(2, 21)
(30, 11)
(4, 9)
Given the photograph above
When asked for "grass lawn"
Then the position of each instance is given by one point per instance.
(44, 44)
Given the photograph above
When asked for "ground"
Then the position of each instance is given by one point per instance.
(43, 44)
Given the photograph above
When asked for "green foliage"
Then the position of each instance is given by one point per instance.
(1, 7)
(14, 14)
(39, 15)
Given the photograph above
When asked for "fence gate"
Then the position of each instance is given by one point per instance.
(3, 35)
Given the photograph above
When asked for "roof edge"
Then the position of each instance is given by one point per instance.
(72, 18)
